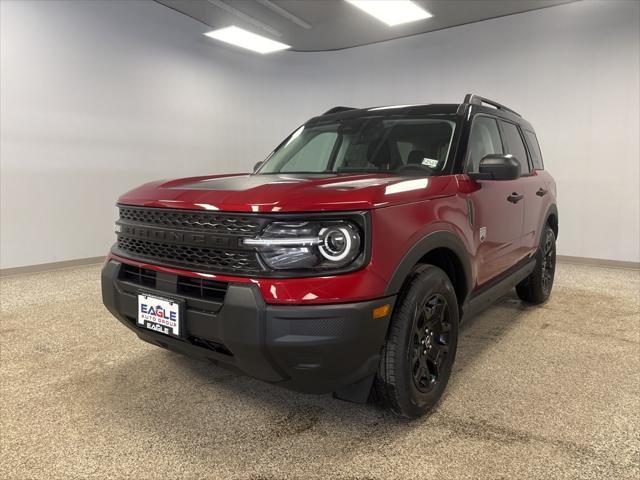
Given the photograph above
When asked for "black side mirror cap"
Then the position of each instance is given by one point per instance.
(497, 167)
(257, 166)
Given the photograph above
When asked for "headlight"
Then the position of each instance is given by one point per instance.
(318, 245)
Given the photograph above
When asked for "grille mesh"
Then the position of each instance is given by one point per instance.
(207, 258)
(212, 222)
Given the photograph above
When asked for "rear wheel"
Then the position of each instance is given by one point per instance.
(421, 346)
(536, 288)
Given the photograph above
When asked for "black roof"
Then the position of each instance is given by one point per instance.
(473, 103)
(340, 113)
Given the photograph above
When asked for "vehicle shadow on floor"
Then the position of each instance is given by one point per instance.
(478, 333)
(488, 328)
(484, 331)
(201, 401)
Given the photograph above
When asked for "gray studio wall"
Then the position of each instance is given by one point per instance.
(98, 97)
(572, 70)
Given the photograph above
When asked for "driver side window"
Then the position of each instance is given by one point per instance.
(484, 140)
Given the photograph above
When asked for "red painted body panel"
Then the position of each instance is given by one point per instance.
(385, 195)
(290, 193)
(501, 248)
(403, 211)
(363, 284)
(535, 206)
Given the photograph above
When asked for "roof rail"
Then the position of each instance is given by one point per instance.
(478, 100)
(338, 110)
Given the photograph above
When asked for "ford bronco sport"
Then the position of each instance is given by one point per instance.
(345, 262)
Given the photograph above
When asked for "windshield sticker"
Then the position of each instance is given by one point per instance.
(430, 162)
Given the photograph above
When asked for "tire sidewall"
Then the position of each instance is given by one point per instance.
(426, 283)
(548, 232)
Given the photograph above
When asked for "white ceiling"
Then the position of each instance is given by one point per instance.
(313, 25)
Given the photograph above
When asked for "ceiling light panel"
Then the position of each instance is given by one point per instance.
(392, 12)
(245, 39)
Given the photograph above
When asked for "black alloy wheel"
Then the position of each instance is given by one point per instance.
(548, 264)
(536, 288)
(418, 355)
(429, 342)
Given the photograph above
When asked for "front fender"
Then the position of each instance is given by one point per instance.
(438, 239)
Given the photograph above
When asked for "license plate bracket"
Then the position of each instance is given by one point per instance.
(161, 314)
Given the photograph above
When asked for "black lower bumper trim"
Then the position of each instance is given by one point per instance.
(314, 349)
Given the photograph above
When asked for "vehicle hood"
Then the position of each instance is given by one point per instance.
(289, 193)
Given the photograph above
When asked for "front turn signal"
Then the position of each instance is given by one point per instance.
(381, 311)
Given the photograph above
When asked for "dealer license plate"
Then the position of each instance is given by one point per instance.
(159, 314)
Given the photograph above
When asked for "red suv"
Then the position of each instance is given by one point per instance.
(345, 262)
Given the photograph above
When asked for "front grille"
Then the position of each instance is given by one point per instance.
(206, 241)
(201, 288)
(137, 275)
(210, 221)
(186, 255)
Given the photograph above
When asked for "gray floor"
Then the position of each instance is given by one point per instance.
(548, 392)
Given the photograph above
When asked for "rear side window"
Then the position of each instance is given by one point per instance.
(515, 146)
(484, 140)
(534, 148)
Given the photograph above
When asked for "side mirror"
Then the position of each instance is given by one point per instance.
(497, 167)
(257, 166)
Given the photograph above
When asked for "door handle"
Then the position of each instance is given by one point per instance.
(541, 192)
(515, 197)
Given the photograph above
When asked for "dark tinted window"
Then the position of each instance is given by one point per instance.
(484, 140)
(515, 146)
(534, 148)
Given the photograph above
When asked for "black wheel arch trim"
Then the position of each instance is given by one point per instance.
(552, 210)
(428, 243)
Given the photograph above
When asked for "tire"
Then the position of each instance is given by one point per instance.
(409, 381)
(536, 288)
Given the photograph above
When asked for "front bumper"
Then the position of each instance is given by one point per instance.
(314, 348)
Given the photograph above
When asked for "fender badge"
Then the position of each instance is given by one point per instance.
(483, 234)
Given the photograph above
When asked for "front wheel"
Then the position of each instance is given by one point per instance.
(421, 347)
(536, 288)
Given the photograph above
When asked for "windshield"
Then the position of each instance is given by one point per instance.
(365, 144)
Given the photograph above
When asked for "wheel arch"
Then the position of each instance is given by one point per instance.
(442, 249)
(551, 219)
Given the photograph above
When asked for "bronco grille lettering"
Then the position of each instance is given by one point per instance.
(189, 239)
